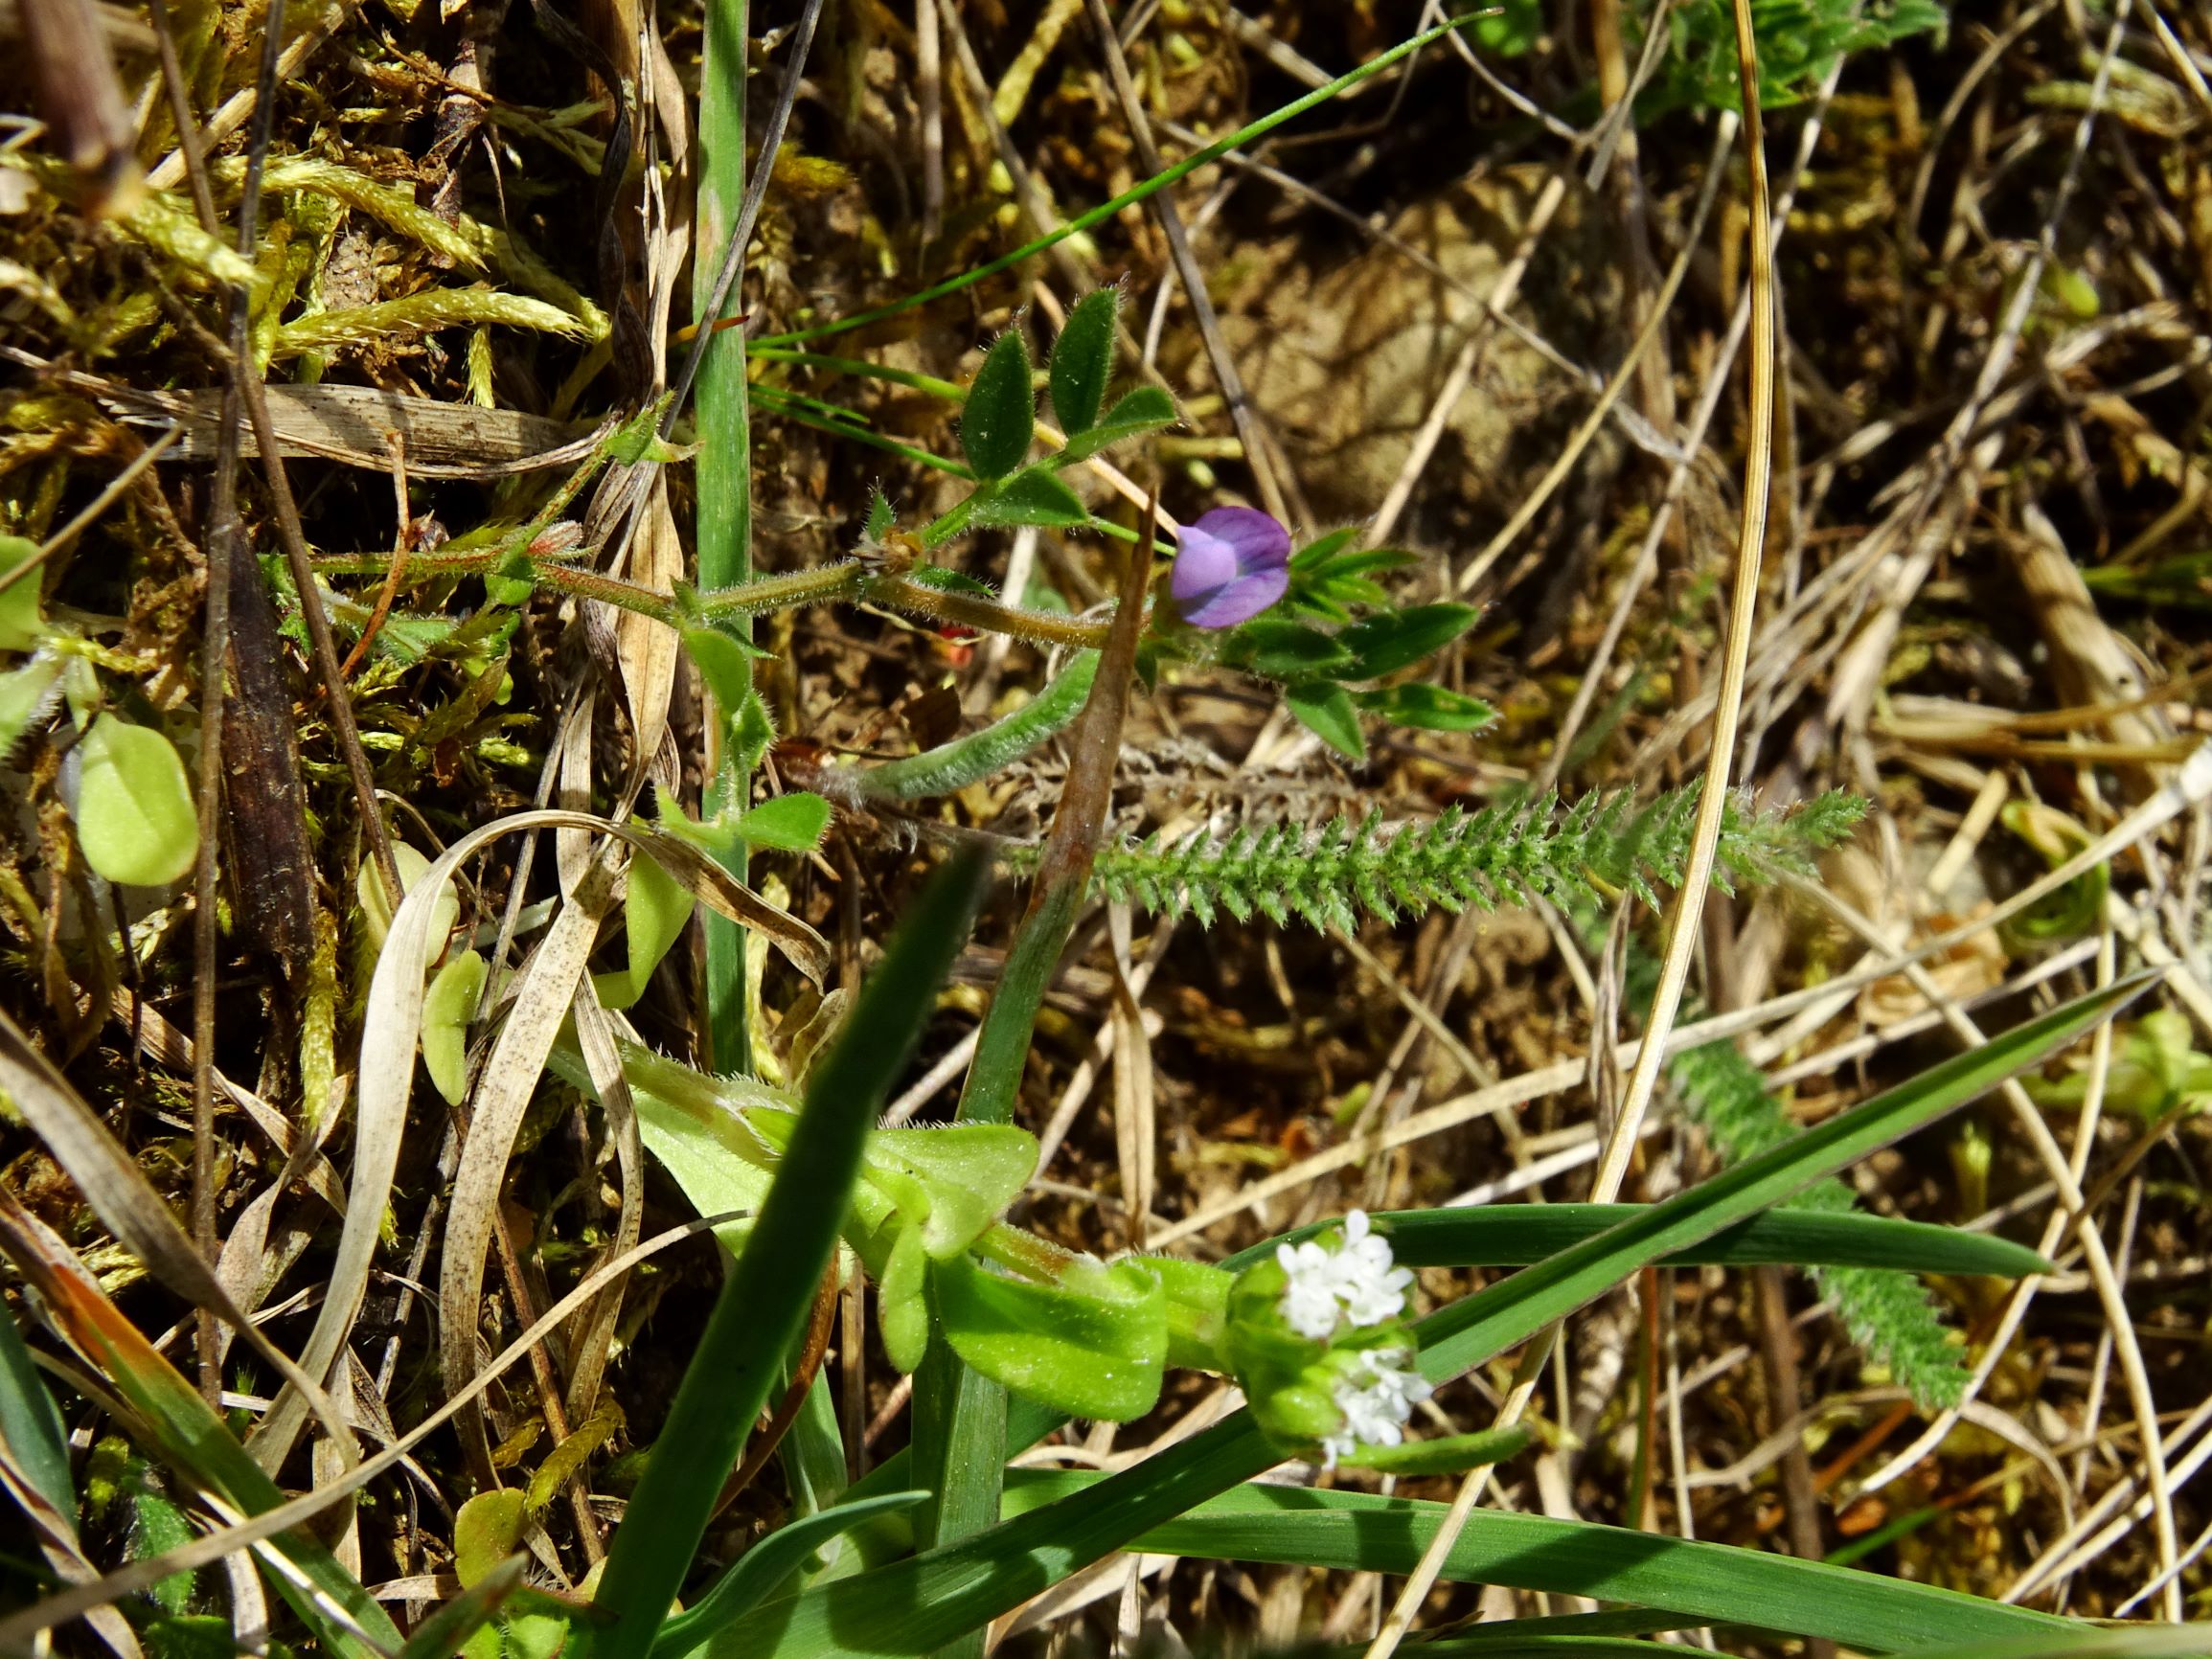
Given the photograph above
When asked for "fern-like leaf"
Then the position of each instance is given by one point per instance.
(1601, 846)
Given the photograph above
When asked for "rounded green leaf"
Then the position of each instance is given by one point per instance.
(135, 819)
(376, 914)
(485, 1532)
(1001, 417)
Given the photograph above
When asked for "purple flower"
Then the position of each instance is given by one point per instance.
(1230, 565)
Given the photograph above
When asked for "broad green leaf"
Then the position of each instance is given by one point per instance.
(485, 1532)
(691, 1124)
(771, 1287)
(1082, 360)
(1095, 1345)
(135, 819)
(793, 823)
(1034, 495)
(914, 1606)
(1383, 645)
(963, 1174)
(448, 1008)
(757, 1573)
(1327, 710)
(1000, 414)
(21, 624)
(1702, 1582)
(28, 693)
(1137, 412)
(1430, 708)
(535, 1636)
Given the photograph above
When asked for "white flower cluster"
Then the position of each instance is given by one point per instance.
(1356, 1278)
(1377, 1400)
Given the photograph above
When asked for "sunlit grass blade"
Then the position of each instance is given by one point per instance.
(914, 1606)
(1516, 1235)
(1705, 1583)
(766, 1299)
(184, 1432)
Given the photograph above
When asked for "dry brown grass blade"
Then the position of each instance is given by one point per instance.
(503, 1088)
(127, 1203)
(352, 425)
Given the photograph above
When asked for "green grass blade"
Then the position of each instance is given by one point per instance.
(446, 1631)
(756, 1574)
(766, 1299)
(29, 1426)
(915, 1605)
(723, 476)
(1516, 1235)
(1704, 1582)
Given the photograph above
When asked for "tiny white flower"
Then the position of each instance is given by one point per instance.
(1309, 1293)
(1371, 1288)
(1377, 1400)
(1358, 1277)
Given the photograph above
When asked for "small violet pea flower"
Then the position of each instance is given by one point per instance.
(1230, 565)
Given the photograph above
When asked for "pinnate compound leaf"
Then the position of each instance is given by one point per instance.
(1036, 496)
(1327, 710)
(1000, 416)
(1082, 360)
(1094, 1345)
(135, 819)
(1140, 410)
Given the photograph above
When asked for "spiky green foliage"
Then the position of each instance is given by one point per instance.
(1888, 1314)
(1603, 845)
